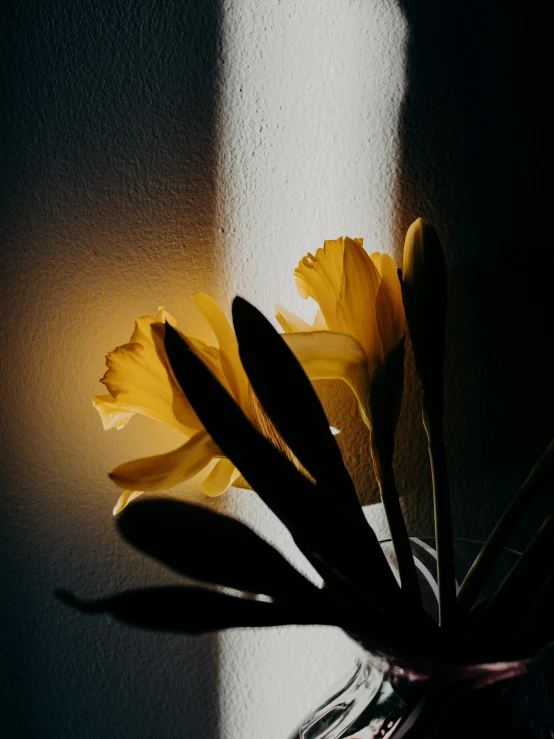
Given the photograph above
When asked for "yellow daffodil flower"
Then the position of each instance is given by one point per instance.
(139, 380)
(358, 337)
(360, 319)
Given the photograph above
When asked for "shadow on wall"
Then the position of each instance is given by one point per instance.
(476, 160)
(107, 161)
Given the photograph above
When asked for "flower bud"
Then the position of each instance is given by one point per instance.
(424, 295)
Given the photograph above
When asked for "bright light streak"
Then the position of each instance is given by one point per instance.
(310, 99)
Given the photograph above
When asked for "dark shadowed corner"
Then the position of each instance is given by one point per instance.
(475, 159)
(107, 162)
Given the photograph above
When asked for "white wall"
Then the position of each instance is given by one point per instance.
(310, 100)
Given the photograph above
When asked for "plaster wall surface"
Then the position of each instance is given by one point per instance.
(153, 149)
(310, 101)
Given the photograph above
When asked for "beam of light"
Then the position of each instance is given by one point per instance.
(310, 95)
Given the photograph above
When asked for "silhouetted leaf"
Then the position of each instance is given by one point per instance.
(208, 546)
(289, 399)
(269, 472)
(344, 561)
(195, 610)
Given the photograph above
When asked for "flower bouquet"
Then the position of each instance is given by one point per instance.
(249, 408)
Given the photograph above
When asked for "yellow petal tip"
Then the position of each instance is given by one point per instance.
(125, 499)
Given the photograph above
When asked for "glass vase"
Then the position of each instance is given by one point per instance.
(388, 697)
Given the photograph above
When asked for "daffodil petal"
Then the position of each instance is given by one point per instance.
(320, 277)
(164, 317)
(388, 305)
(240, 482)
(289, 322)
(356, 305)
(228, 347)
(111, 412)
(327, 355)
(139, 382)
(220, 478)
(125, 499)
(164, 471)
(210, 355)
(319, 322)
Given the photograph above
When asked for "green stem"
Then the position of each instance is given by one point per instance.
(399, 533)
(497, 540)
(433, 422)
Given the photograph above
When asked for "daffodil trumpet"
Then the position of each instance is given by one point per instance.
(358, 337)
(424, 297)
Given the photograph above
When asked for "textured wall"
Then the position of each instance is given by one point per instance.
(311, 95)
(151, 149)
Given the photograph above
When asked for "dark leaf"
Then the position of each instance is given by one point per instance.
(195, 610)
(286, 490)
(289, 399)
(207, 546)
(341, 559)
